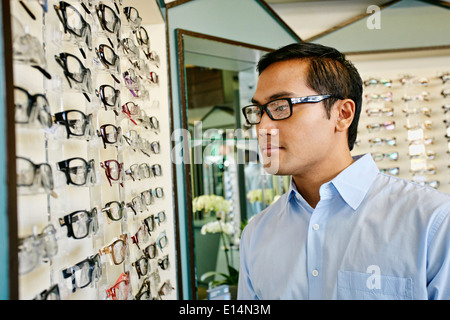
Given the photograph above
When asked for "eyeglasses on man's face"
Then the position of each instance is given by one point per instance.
(279, 109)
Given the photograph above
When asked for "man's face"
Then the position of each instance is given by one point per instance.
(302, 143)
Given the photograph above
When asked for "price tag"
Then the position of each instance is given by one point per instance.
(416, 149)
(416, 134)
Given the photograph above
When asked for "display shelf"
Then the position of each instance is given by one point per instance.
(78, 135)
(418, 117)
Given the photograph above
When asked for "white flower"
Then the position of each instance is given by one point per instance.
(215, 227)
(209, 203)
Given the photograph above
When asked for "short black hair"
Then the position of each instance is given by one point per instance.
(329, 72)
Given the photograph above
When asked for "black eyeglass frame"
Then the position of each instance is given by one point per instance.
(291, 101)
(67, 28)
(61, 59)
(62, 118)
(32, 98)
(93, 262)
(91, 223)
(64, 166)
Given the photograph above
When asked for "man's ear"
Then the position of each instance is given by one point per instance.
(346, 112)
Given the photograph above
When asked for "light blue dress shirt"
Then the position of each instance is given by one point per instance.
(371, 236)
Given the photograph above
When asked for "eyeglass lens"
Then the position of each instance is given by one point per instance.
(29, 173)
(114, 210)
(31, 108)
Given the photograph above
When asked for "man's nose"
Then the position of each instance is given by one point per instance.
(267, 126)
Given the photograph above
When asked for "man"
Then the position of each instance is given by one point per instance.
(343, 230)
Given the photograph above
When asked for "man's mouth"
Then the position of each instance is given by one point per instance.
(269, 149)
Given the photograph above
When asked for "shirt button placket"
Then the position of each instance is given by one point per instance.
(315, 259)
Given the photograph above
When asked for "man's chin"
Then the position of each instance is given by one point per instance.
(272, 167)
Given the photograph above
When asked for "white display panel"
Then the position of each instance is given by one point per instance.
(38, 208)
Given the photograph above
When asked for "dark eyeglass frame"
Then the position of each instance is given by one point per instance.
(62, 118)
(116, 139)
(138, 266)
(128, 11)
(144, 289)
(154, 251)
(62, 15)
(164, 262)
(121, 209)
(43, 3)
(116, 23)
(150, 223)
(100, 51)
(32, 98)
(106, 165)
(64, 166)
(94, 264)
(139, 38)
(52, 291)
(291, 102)
(61, 59)
(91, 223)
(100, 92)
(37, 169)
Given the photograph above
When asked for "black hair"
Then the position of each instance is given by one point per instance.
(329, 72)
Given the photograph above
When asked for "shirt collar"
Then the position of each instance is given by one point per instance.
(352, 183)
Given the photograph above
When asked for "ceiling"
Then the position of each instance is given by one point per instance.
(311, 18)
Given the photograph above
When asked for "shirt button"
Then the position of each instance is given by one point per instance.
(315, 273)
(315, 226)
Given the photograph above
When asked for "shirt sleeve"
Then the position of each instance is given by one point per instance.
(245, 288)
(438, 266)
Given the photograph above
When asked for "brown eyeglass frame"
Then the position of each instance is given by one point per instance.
(109, 249)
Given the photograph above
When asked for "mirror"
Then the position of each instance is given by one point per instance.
(227, 184)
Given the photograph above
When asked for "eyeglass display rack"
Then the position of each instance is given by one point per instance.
(405, 116)
(82, 255)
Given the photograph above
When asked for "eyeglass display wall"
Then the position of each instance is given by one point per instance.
(405, 116)
(94, 181)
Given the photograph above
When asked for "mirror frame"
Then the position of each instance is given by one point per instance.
(180, 34)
